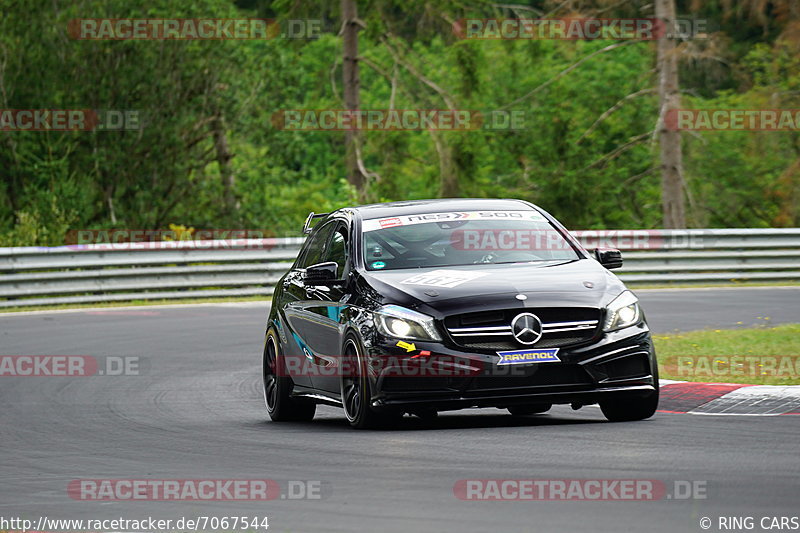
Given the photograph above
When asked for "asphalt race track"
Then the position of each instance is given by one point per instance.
(682, 309)
(196, 412)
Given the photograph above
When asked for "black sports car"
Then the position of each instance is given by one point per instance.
(425, 306)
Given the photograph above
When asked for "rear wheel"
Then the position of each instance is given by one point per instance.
(630, 409)
(356, 390)
(522, 410)
(278, 387)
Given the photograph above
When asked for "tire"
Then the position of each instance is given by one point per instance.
(356, 389)
(630, 409)
(535, 409)
(278, 388)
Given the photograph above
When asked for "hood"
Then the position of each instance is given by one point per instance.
(577, 283)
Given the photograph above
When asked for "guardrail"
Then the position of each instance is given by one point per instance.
(32, 276)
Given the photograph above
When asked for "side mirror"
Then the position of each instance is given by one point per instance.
(608, 257)
(321, 274)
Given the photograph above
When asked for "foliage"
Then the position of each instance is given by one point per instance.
(590, 175)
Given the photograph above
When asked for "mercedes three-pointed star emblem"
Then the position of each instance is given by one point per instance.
(526, 328)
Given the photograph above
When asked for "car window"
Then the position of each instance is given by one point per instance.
(337, 250)
(315, 246)
(464, 238)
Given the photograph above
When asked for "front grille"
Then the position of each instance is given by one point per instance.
(490, 346)
(491, 330)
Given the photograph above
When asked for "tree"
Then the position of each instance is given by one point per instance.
(672, 185)
(351, 81)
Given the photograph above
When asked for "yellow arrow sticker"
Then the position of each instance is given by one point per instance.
(407, 346)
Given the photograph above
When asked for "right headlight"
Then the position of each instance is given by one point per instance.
(623, 311)
(402, 323)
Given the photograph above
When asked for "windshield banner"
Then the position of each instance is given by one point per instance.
(410, 220)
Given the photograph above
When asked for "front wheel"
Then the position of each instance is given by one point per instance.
(630, 409)
(278, 387)
(356, 390)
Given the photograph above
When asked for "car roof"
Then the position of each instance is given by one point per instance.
(416, 207)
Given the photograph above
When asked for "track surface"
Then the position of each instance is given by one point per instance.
(197, 412)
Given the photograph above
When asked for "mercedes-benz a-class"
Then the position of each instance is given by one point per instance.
(426, 306)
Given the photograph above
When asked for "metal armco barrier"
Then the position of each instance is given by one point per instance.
(206, 269)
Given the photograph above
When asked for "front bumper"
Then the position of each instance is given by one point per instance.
(619, 364)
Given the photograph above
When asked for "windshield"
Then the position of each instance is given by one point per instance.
(465, 238)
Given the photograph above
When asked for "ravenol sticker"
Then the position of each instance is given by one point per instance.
(521, 357)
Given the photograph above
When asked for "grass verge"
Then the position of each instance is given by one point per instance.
(761, 356)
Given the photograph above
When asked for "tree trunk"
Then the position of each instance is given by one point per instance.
(224, 157)
(108, 197)
(448, 184)
(13, 186)
(787, 194)
(672, 185)
(351, 93)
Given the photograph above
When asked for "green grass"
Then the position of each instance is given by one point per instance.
(764, 356)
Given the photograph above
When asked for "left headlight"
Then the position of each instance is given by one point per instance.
(396, 321)
(622, 312)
